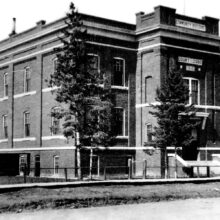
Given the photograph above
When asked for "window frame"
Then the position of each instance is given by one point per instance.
(27, 80)
(5, 84)
(27, 126)
(123, 71)
(190, 79)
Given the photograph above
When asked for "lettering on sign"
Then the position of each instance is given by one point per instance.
(190, 25)
(189, 60)
(190, 68)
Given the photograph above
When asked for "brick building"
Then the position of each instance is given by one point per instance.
(136, 57)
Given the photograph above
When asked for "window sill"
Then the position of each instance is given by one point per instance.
(122, 137)
(49, 89)
(120, 87)
(24, 94)
(46, 138)
(24, 139)
(3, 140)
(4, 98)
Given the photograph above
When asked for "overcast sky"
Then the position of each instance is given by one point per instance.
(28, 12)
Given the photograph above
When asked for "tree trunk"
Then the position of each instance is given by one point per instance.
(90, 163)
(79, 174)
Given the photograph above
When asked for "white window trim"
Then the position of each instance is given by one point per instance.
(123, 136)
(25, 77)
(190, 89)
(5, 74)
(123, 86)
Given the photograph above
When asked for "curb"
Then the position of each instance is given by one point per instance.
(14, 187)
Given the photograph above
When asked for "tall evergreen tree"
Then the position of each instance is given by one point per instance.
(174, 116)
(88, 112)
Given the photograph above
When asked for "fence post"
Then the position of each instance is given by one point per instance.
(25, 171)
(104, 172)
(129, 169)
(197, 172)
(208, 171)
(144, 169)
(65, 172)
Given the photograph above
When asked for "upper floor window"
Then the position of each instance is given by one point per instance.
(5, 126)
(6, 84)
(149, 132)
(118, 77)
(55, 121)
(54, 65)
(119, 117)
(194, 90)
(27, 79)
(27, 124)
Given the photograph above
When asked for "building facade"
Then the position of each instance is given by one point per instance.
(136, 58)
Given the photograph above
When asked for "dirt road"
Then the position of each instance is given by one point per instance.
(201, 209)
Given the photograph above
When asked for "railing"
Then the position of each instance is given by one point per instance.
(133, 170)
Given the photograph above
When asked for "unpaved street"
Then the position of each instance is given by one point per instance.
(201, 209)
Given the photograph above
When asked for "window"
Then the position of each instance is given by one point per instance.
(118, 77)
(27, 124)
(27, 79)
(54, 65)
(193, 85)
(147, 90)
(56, 164)
(93, 61)
(6, 84)
(55, 121)
(5, 126)
(23, 163)
(149, 132)
(119, 117)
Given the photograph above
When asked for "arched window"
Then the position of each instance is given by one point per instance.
(6, 84)
(26, 124)
(55, 121)
(27, 79)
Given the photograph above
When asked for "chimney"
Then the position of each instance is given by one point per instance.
(13, 28)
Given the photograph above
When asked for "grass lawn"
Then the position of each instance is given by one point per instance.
(78, 197)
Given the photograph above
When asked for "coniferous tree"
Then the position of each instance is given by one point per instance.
(88, 107)
(175, 120)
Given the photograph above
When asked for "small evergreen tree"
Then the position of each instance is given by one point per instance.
(88, 112)
(174, 116)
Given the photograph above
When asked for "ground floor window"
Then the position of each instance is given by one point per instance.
(56, 164)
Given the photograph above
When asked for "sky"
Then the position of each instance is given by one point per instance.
(28, 12)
